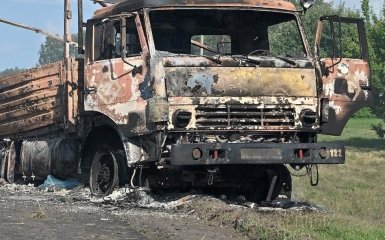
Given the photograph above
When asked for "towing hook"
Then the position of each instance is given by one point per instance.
(312, 171)
(210, 180)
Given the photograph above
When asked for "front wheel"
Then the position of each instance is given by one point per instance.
(104, 175)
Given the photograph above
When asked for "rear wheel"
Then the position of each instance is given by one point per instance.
(104, 175)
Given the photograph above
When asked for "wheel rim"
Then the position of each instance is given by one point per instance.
(104, 173)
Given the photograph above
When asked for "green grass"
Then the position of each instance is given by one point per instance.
(353, 194)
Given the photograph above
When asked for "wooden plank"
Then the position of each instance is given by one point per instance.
(11, 81)
(53, 105)
(32, 101)
(39, 96)
(30, 123)
(51, 83)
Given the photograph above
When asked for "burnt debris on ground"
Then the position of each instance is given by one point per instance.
(168, 200)
(165, 215)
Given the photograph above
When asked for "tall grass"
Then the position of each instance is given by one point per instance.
(354, 193)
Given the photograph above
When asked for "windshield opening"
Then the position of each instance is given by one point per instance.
(226, 32)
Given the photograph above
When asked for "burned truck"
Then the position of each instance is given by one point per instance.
(224, 94)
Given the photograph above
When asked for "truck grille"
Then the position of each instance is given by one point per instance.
(244, 116)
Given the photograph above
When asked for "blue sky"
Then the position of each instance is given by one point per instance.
(20, 48)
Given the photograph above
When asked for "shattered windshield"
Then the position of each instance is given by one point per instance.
(208, 32)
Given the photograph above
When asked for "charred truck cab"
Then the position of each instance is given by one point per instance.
(213, 94)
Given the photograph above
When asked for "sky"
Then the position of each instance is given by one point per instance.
(20, 48)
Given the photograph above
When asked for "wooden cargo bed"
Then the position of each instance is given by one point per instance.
(34, 102)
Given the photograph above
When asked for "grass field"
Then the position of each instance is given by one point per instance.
(353, 195)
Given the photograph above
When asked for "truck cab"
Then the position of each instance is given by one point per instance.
(223, 94)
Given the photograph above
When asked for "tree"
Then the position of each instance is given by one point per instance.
(322, 8)
(52, 50)
(376, 35)
(376, 38)
(365, 9)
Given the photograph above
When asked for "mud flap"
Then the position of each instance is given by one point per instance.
(11, 162)
(273, 184)
(3, 157)
(7, 162)
(279, 181)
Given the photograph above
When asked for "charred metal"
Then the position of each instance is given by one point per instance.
(184, 93)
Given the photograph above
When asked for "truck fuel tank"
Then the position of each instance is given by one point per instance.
(58, 157)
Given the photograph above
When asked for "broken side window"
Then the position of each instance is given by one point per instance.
(347, 40)
(132, 38)
(97, 40)
(108, 40)
(340, 40)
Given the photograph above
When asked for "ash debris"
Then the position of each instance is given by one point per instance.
(166, 215)
(127, 198)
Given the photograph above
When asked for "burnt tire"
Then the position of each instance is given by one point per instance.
(104, 174)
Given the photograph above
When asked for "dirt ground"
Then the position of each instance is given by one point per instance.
(29, 212)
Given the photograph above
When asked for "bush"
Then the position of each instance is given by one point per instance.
(379, 129)
(365, 113)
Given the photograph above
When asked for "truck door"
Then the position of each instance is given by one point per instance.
(342, 54)
(116, 69)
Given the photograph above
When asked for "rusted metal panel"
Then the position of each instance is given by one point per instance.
(32, 100)
(345, 81)
(240, 82)
(116, 92)
(132, 5)
(346, 88)
(118, 88)
(73, 86)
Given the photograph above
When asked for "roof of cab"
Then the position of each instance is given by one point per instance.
(120, 6)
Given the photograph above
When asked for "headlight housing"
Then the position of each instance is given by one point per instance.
(181, 118)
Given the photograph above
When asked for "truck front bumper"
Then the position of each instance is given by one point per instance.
(257, 153)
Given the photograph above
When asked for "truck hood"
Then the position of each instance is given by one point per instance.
(201, 78)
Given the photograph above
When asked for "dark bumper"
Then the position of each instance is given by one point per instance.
(257, 153)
